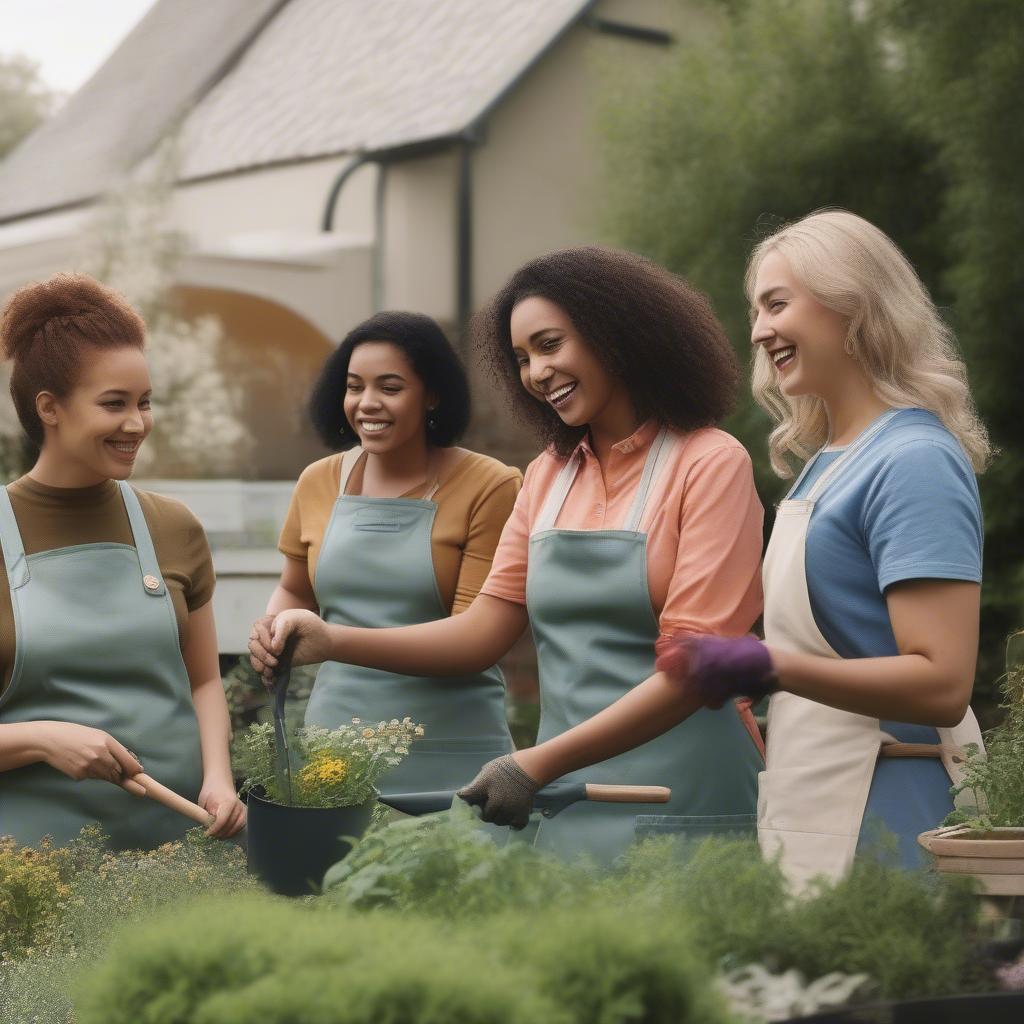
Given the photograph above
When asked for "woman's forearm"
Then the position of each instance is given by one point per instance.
(21, 743)
(645, 712)
(903, 688)
(214, 730)
(458, 645)
(282, 599)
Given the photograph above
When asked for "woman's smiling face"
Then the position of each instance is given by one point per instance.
(101, 424)
(386, 403)
(804, 339)
(557, 366)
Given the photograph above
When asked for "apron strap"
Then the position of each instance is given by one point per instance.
(152, 579)
(13, 548)
(348, 463)
(661, 448)
(558, 493)
(851, 450)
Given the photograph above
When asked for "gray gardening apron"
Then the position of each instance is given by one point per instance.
(376, 569)
(595, 631)
(97, 644)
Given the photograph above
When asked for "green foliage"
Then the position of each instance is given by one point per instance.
(779, 109)
(330, 767)
(25, 100)
(995, 776)
(449, 865)
(262, 959)
(962, 84)
(608, 964)
(96, 892)
(32, 884)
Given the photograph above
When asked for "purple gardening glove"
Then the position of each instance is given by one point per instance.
(720, 668)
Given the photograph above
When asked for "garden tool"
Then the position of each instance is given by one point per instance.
(162, 795)
(549, 801)
(282, 676)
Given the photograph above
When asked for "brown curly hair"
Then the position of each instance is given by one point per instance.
(45, 328)
(648, 327)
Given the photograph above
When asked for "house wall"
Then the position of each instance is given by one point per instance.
(289, 198)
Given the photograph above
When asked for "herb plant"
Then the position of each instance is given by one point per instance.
(995, 777)
(330, 768)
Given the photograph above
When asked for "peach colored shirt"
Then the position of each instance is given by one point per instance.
(703, 523)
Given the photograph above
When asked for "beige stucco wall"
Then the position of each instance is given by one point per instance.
(289, 198)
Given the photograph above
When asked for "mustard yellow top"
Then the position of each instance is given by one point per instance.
(474, 500)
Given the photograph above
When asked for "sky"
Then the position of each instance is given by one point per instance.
(68, 39)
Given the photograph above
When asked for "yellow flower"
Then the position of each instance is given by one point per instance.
(323, 771)
(367, 733)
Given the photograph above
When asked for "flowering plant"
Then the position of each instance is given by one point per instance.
(330, 767)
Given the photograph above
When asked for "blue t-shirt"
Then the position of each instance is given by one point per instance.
(904, 507)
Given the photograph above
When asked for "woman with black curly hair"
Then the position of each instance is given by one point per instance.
(638, 521)
(398, 528)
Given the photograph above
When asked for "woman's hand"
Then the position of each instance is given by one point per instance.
(259, 642)
(221, 800)
(719, 668)
(313, 644)
(81, 752)
(503, 791)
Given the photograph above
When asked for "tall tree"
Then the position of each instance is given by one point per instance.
(779, 108)
(963, 84)
(25, 100)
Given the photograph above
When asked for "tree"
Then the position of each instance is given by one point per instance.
(780, 108)
(24, 100)
(963, 85)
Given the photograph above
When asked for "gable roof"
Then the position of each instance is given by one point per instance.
(265, 82)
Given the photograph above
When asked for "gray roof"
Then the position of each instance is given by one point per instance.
(319, 77)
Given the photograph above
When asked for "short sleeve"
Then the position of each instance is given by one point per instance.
(507, 578)
(290, 540)
(486, 523)
(922, 516)
(715, 585)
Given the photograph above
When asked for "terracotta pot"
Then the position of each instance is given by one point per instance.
(995, 857)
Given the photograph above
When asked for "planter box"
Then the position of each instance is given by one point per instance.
(994, 857)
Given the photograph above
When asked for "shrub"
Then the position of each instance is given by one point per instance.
(260, 958)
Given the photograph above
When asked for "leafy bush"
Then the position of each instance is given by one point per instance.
(32, 884)
(262, 959)
(97, 892)
(609, 964)
(448, 865)
(995, 776)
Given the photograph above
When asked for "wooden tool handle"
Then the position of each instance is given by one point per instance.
(628, 794)
(161, 794)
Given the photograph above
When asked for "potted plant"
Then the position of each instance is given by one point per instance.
(986, 841)
(309, 799)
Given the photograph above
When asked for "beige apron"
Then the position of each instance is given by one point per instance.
(819, 761)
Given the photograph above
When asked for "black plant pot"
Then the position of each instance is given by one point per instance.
(980, 1008)
(291, 848)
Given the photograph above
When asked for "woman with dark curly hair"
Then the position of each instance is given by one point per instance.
(107, 638)
(398, 528)
(639, 520)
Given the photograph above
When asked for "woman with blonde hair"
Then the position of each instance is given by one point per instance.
(872, 576)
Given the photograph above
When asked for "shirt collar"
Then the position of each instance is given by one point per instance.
(641, 438)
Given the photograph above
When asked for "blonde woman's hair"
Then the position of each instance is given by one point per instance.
(894, 330)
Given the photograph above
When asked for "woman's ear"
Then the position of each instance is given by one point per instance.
(46, 408)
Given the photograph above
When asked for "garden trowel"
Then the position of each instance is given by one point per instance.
(282, 676)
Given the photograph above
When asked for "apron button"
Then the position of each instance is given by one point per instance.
(150, 582)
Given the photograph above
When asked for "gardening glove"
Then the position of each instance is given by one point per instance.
(503, 792)
(719, 668)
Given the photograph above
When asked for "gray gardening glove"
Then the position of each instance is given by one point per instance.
(503, 792)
